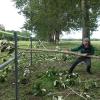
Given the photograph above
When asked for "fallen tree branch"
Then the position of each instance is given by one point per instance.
(77, 93)
(56, 51)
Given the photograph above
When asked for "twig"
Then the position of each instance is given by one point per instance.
(77, 93)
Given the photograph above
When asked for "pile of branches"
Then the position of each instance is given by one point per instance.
(6, 46)
(52, 80)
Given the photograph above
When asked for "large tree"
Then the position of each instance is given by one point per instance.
(89, 16)
(48, 18)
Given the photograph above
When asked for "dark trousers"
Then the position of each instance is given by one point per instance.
(87, 60)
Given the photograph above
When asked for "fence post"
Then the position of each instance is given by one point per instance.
(31, 50)
(16, 66)
(30, 3)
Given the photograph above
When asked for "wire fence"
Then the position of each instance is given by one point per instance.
(15, 60)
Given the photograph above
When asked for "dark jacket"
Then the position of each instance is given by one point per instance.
(89, 50)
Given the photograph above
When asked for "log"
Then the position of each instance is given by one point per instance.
(56, 51)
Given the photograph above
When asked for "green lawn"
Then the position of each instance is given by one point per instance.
(43, 62)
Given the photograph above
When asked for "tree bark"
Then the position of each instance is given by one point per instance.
(57, 36)
(85, 19)
(54, 37)
(51, 37)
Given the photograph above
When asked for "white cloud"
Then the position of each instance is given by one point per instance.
(96, 34)
(9, 16)
(78, 35)
(72, 35)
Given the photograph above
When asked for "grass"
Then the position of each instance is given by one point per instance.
(40, 65)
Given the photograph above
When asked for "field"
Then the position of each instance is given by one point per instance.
(46, 78)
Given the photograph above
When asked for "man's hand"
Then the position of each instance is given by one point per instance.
(68, 49)
(85, 54)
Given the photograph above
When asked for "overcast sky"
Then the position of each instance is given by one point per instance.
(10, 18)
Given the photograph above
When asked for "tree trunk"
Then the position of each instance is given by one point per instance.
(54, 37)
(57, 36)
(85, 19)
(51, 38)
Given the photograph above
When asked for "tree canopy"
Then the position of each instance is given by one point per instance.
(48, 18)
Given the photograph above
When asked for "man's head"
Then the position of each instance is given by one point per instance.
(86, 42)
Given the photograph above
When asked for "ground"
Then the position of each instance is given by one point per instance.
(43, 62)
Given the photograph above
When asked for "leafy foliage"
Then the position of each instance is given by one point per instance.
(48, 18)
(7, 46)
(9, 35)
(53, 79)
(4, 73)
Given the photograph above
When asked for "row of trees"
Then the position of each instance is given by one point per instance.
(8, 35)
(48, 18)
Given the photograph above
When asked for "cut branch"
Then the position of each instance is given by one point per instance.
(56, 51)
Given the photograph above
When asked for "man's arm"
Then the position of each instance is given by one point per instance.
(76, 49)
